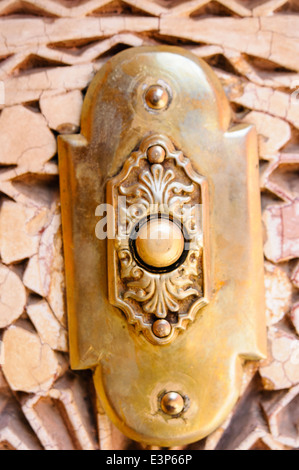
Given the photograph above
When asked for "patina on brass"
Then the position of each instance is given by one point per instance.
(164, 377)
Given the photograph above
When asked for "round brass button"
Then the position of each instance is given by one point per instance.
(156, 97)
(160, 243)
(161, 328)
(172, 403)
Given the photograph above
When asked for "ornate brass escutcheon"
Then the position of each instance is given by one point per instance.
(160, 244)
(163, 245)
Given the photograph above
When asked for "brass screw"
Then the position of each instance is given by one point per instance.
(172, 403)
(156, 154)
(161, 328)
(156, 97)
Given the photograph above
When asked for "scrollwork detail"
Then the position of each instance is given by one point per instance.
(169, 189)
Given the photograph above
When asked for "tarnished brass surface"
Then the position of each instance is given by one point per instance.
(199, 370)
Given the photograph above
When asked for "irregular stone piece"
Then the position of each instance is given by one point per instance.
(16, 36)
(45, 271)
(269, 101)
(34, 145)
(283, 415)
(278, 293)
(282, 231)
(63, 111)
(20, 228)
(273, 132)
(47, 421)
(15, 434)
(259, 98)
(49, 329)
(281, 368)
(31, 190)
(52, 267)
(73, 395)
(12, 296)
(30, 366)
(19, 89)
(278, 179)
(46, 416)
(267, 38)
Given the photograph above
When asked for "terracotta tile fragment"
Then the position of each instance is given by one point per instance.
(49, 329)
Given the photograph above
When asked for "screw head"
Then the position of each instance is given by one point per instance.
(172, 403)
(156, 154)
(156, 97)
(161, 328)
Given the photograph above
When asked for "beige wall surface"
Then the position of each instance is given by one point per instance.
(49, 52)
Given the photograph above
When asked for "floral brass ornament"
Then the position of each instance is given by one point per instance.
(166, 321)
(174, 195)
